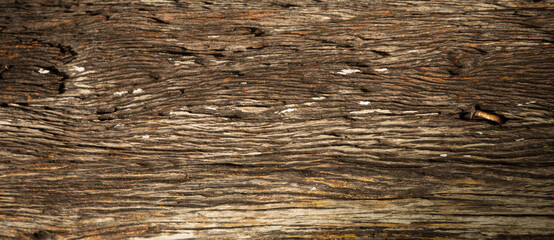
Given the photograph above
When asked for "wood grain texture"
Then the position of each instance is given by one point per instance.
(276, 119)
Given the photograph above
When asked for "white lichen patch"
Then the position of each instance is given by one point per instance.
(366, 111)
(211, 108)
(467, 155)
(180, 113)
(286, 110)
(348, 71)
(409, 112)
(318, 98)
(243, 83)
(253, 153)
(43, 71)
(444, 155)
(526, 103)
(79, 69)
(145, 136)
(120, 93)
(365, 102)
(139, 90)
(427, 114)
(381, 69)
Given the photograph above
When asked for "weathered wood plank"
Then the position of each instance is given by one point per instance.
(281, 119)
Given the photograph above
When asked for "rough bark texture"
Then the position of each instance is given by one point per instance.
(276, 119)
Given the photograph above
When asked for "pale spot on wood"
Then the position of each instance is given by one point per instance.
(366, 111)
(252, 109)
(120, 93)
(287, 110)
(348, 71)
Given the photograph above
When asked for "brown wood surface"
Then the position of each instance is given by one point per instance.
(278, 119)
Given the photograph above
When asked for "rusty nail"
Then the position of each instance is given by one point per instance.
(491, 117)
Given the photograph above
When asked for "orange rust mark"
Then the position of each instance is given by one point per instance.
(528, 5)
(253, 14)
(84, 43)
(28, 96)
(226, 79)
(465, 97)
(385, 13)
(245, 90)
(302, 32)
(430, 68)
(472, 45)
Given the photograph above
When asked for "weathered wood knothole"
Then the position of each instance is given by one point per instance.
(275, 119)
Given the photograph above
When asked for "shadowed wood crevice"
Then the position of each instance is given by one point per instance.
(281, 119)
